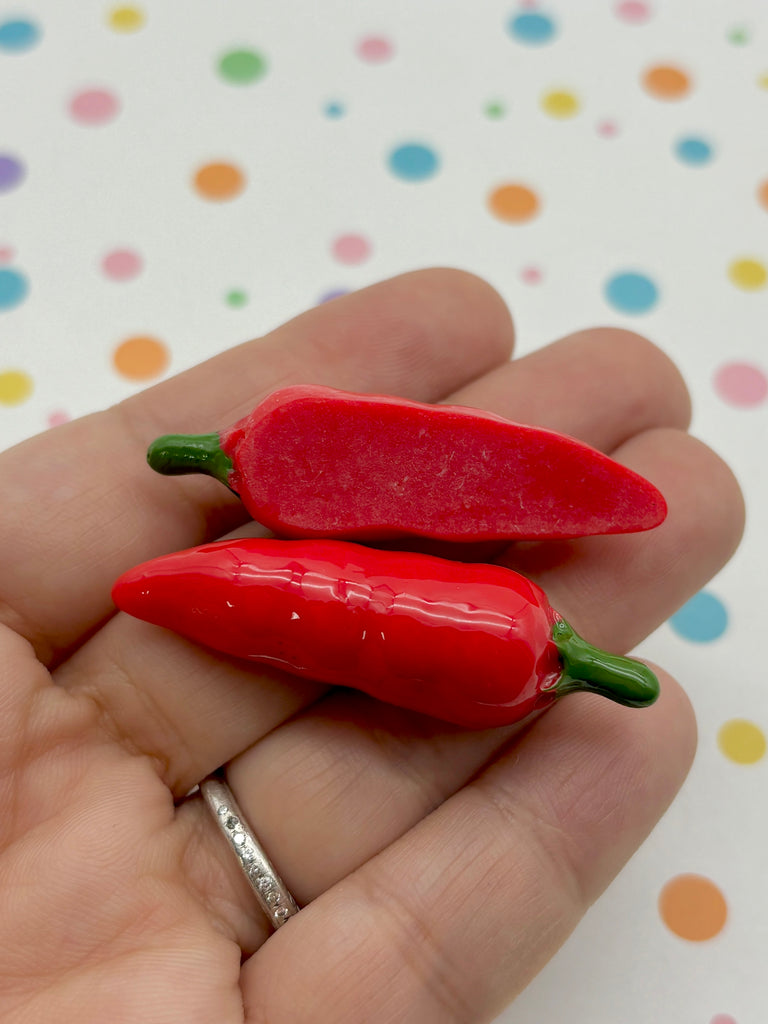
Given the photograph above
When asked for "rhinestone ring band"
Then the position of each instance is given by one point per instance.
(276, 902)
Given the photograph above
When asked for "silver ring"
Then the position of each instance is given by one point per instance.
(276, 902)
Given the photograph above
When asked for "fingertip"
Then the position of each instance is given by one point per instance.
(680, 728)
(424, 333)
(704, 497)
(638, 355)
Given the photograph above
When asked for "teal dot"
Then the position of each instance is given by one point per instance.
(334, 110)
(702, 619)
(693, 151)
(413, 162)
(13, 288)
(531, 28)
(18, 34)
(631, 293)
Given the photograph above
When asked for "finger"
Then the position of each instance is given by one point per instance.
(350, 775)
(452, 920)
(81, 505)
(617, 590)
(602, 386)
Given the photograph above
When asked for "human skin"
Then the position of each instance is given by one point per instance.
(439, 869)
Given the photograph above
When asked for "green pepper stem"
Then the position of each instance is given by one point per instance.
(176, 454)
(587, 668)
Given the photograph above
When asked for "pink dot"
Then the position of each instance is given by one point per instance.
(58, 417)
(351, 249)
(122, 264)
(6, 254)
(722, 1018)
(375, 49)
(531, 275)
(741, 384)
(633, 11)
(94, 106)
(608, 129)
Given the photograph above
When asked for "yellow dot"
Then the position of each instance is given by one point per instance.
(140, 358)
(560, 103)
(741, 741)
(762, 80)
(748, 274)
(15, 387)
(126, 19)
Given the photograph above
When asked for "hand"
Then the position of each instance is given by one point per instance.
(438, 869)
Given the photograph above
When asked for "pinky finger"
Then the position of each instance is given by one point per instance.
(453, 920)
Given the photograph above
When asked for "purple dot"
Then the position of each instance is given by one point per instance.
(11, 172)
(334, 293)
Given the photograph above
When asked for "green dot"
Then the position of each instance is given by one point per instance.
(495, 110)
(739, 35)
(241, 67)
(236, 298)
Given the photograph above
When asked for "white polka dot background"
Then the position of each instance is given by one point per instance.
(172, 184)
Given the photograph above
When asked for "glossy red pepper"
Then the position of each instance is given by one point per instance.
(313, 461)
(474, 644)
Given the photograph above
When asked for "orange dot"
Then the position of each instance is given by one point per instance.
(513, 203)
(666, 82)
(219, 181)
(693, 907)
(762, 193)
(140, 358)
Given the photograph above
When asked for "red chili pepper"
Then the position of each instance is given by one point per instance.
(311, 461)
(474, 644)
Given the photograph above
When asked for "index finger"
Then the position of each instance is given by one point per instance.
(81, 505)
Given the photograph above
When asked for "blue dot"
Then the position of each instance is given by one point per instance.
(532, 28)
(18, 34)
(631, 293)
(13, 288)
(413, 162)
(693, 151)
(334, 109)
(702, 619)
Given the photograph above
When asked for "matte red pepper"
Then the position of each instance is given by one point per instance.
(313, 461)
(474, 644)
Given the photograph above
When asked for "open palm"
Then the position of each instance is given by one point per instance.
(438, 869)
